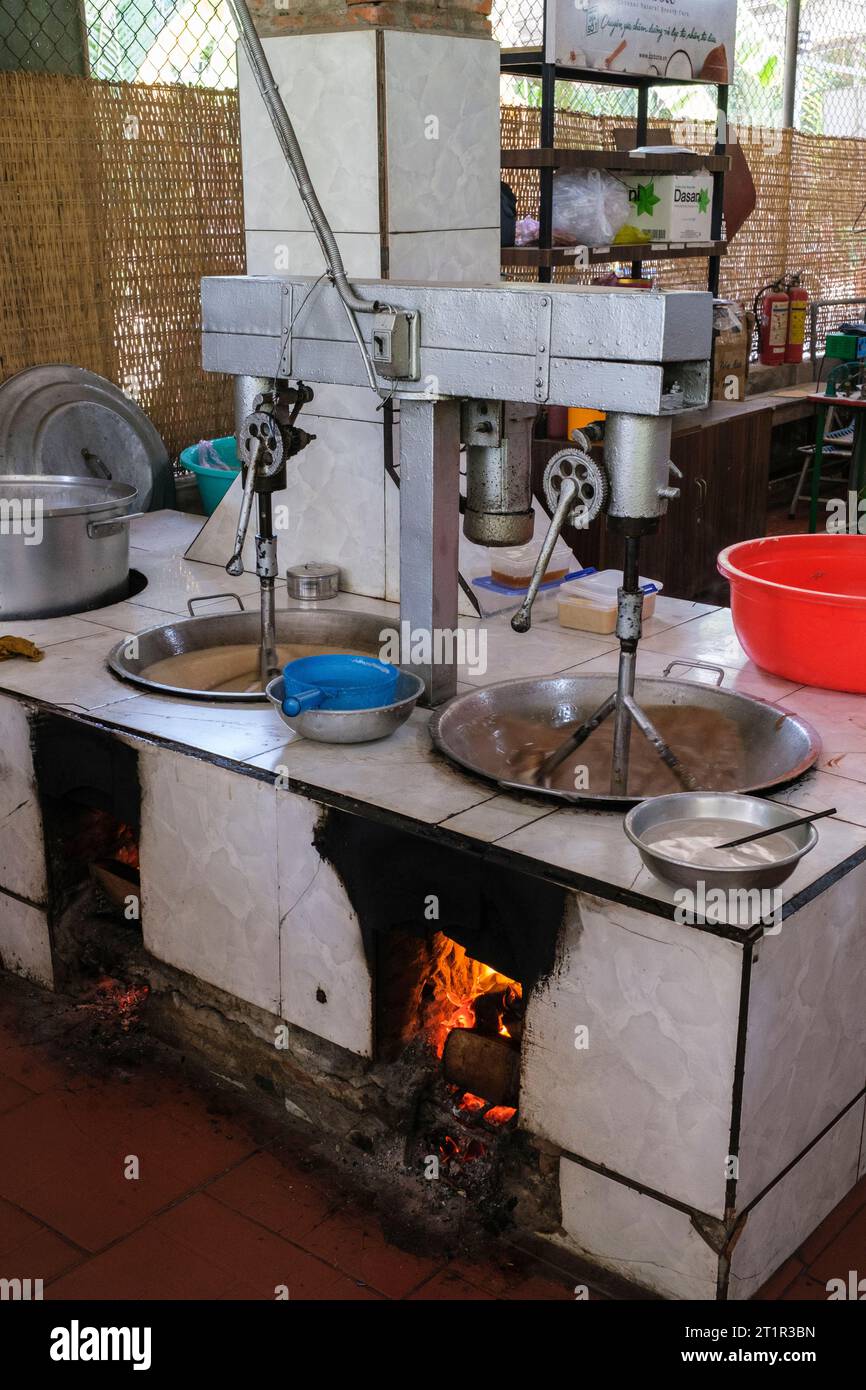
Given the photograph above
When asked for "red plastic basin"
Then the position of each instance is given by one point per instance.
(799, 607)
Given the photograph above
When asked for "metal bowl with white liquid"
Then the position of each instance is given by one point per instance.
(678, 839)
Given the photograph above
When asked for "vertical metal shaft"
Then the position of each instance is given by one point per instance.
(789, 76)
(628, 632)
(429, 535)
(266, 558)
(269, 663)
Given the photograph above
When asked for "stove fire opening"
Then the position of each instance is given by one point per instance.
(465, 1018)
(90, 800)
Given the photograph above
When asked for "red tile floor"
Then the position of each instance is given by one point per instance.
(214, 1215)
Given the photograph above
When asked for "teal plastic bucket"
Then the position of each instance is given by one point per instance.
(213, 483)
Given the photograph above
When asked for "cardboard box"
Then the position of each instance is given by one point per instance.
(691, 40)
(671, 207)
(733, 326)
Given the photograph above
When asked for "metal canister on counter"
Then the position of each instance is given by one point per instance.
(313, 580)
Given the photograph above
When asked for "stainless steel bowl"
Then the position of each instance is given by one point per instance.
(351, 725)
(749, 810)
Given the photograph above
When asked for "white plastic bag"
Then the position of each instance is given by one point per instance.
(589, 207)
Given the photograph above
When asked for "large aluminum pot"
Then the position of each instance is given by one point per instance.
(64, 544)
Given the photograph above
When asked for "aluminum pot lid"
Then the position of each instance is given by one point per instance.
(61, 496)
(61, 420)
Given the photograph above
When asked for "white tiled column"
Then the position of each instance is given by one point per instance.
(209, 874)
(327, 987)
(646, 1090)
(776, 1225)
(805, 1055)
(442, 157)
(635, 1236)
(400, 132)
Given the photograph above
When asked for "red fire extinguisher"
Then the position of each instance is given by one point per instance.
(772, 316)
(798, 308)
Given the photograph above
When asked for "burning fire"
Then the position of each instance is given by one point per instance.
(465, 993)
(97, 835)
(127, 847)
(468, 994)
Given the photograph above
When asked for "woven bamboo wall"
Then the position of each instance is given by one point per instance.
(116, 200)
(810, 192)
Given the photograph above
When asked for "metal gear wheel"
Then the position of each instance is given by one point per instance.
(593, 488)
(261, 427)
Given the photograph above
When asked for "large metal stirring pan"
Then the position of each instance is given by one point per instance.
(332, 628)
(476, 730)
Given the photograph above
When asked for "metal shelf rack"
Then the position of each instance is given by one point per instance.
(530, 62)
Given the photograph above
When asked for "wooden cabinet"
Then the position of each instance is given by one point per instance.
(723, 454)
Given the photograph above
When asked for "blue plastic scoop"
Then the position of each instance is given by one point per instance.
(337, 682)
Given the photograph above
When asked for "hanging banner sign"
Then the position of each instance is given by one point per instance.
(688, 40)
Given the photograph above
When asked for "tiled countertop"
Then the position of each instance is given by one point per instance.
(403, 776)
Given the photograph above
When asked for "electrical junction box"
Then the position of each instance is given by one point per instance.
(670, 207)
(397, 344)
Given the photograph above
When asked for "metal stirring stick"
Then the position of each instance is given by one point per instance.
(777, 829)
(574, 740)
(644, 723)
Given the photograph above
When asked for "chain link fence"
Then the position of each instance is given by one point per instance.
(161, 41)
(151, 41)
(193, 42)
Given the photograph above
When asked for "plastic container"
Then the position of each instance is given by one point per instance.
(799, 607)
(512, 567)
(213, 483)
(333, 682)
(589, 603)
(499, 598)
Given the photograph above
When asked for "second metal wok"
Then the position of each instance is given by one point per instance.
(736, 743)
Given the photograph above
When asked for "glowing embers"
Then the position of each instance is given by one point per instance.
(494, 1115)
(475, 1115)
(94, 834)
(115, 1004)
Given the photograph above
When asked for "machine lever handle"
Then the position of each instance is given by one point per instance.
(522, 620)
(235, 565)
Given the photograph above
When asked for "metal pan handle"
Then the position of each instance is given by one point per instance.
(206, 598)
(111, 526)
(703, 665)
